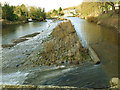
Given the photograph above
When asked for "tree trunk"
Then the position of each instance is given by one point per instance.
(119, 9)
(119, 6)
(102, 10)
(113, 8)
(106, 10)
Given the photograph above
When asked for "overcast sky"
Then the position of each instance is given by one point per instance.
(47, 4)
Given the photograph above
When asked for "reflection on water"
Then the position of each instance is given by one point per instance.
(12, 32)
(103, 40)
(92, 33)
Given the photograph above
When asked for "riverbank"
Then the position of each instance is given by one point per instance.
(110, 20)
(5, 22)
(13, 22)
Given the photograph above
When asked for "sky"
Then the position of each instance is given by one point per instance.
(47, 4)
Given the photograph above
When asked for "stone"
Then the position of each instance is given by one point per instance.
(94, 55)
(114, 82)
(99, 22)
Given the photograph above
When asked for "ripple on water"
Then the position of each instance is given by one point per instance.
(14, 78)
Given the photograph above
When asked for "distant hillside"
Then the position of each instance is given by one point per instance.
(90, 8)
(75, 7)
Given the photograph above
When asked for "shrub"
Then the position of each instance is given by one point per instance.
(49, 46)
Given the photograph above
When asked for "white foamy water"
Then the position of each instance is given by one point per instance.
(56, 73)
(14, 78)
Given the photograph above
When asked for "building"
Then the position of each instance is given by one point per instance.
(69, 12)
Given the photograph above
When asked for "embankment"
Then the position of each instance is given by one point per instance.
(6, 22)
(110, 20)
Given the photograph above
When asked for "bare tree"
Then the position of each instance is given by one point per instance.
(111, 4)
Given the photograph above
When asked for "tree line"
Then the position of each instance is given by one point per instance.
(107, 5)
(55, 12)
(22, 12)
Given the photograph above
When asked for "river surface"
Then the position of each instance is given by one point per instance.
(12, 32)
(103, 40)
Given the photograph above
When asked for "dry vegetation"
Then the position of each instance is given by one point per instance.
(110, 19)
(90, 9)
(63, 48)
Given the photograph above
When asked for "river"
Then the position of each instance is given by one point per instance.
(12, 32)
(103, 40)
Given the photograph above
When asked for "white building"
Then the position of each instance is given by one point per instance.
(69, 12)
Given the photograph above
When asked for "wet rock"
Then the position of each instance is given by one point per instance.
(99, 22)
(18, 65)
(94, 56)
(30, 35)
(20, 40)
(8, 45)
(98, 62)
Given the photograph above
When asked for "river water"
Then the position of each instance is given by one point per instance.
(12, 32)
(103, 40)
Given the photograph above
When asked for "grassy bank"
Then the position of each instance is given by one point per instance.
(110, 20)
(13, 22)
(91, 11)
(5, 22)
